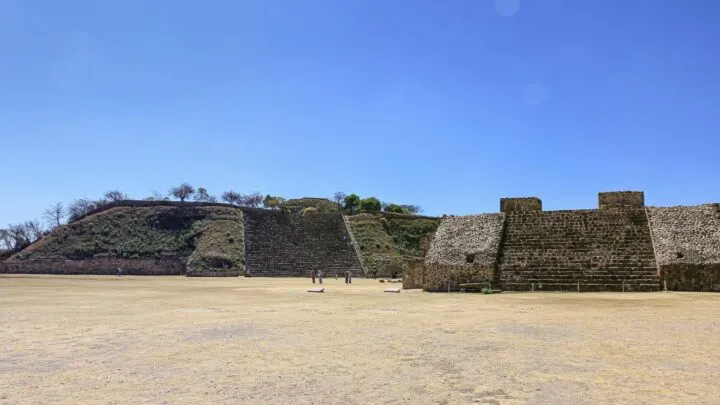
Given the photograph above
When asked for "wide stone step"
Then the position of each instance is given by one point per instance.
(584, 287)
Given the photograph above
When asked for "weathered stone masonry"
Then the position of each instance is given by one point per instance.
(135, 267)
(605, 249)
(286, 244)
(602, 250)
(687, 245)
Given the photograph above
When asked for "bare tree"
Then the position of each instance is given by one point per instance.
(7, 241)
(253, 200)
(182, 192)
(115, 195)
(34, 230)
(339, 197)
(202, 195)
(18, 236)
(231, 197)
(79, 208)
(54, 214)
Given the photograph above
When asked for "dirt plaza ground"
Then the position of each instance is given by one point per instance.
(177, 340)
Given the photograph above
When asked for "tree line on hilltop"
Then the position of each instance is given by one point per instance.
(16, 237)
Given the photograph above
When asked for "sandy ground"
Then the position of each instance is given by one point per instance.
(177, 340)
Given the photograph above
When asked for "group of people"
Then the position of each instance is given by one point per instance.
(318, 274)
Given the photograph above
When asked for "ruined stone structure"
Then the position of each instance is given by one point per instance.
(279, 243)
(612, 248)
(687, 246)
(602, 250)
(133, 267)
(619, 246)
(195, 239)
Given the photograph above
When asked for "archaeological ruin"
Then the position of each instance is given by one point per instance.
(621, 245)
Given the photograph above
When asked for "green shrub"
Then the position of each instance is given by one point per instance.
(370, 204)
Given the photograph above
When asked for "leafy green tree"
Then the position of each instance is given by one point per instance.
(413, 209)
(370, 204)
(272, 202)
(352, 203)
(396, 208)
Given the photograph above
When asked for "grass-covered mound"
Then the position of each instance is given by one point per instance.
(387, 240)
(209, 239)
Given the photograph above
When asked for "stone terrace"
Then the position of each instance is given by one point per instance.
(280, 244)
(603, 250)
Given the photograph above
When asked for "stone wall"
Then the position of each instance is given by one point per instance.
(686, 235)
(687, 246)
(603, 250)
(443, 278)
(467, 241)
(282, 244)
(612, 199)
(413, 274)
(520, 204)
(691, 277)
(95, 266)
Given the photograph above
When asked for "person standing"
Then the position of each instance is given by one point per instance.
(347, 273)
(320, 276)
(312, 274)
(349, 277)
(119, 272)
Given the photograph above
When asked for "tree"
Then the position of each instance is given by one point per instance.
(18, 236)
(395, 208)
(202, 195)
(352, 202)
(54, 214)
(370, 204)
(6, 241)
(413, 209)
(79, 208)
(253, 200)
(272, 202)
(339, 197)
(182, 192)
(34, 230)
(231, 197)
(115, 195)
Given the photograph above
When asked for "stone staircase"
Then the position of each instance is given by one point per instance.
(589, 250)
(281, 244)
(355, 246)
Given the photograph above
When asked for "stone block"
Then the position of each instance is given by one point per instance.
(520, 204)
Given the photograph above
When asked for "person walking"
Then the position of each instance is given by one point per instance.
(320, 276)
(312, 274)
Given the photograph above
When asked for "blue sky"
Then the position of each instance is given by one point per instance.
(449, 105)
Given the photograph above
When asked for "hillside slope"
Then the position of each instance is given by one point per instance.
(387, 240)
(208, 239)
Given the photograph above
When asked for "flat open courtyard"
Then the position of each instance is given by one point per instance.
(177, 340)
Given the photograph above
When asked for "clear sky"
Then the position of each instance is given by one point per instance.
(446, 104)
